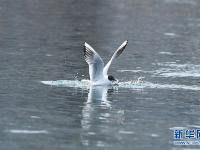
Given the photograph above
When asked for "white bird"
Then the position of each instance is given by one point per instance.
(97, 70)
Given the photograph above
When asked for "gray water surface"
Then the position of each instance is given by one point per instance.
(42, 40)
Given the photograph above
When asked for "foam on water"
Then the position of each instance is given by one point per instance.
(138, 84)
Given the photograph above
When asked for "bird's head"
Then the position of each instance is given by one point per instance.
(112, 79)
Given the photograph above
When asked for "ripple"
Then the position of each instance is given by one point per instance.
(181, 74)
(194, 126)
(175, 148)
(126, 132)
(154, 135)
(177, 128)
(166, 53)
(100, 144)
(48, 55)
(171, 69)
(135, 71)
(35, 117)
(28, 131)
(171, 34)
(191, 2)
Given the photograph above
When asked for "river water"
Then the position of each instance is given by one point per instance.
(45, 105)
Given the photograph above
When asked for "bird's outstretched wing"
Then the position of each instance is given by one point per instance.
(115, 55)
(94, 61)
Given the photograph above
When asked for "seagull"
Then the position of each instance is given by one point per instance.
(97, 70)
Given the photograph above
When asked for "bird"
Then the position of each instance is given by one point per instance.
(97, 71)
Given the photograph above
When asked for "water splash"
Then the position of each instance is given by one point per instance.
(68, 83)
(138, 84)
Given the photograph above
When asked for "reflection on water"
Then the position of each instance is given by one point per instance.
(98, 107)
(99, 93)
(97, 96)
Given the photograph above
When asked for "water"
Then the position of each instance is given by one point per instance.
(42, 40)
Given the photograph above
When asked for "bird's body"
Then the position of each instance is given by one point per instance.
(102, 81)
(97, 70)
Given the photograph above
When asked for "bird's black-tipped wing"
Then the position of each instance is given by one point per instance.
(94, 61)
(115, 55)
